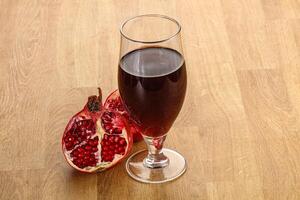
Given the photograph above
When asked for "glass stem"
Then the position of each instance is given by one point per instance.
(155, 158)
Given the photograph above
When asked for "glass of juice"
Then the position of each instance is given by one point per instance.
(152, 83)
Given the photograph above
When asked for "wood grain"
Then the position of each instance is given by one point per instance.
(240, 124)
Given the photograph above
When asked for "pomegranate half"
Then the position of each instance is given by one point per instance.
(96, 138)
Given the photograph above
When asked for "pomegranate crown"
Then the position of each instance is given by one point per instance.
(95, 102)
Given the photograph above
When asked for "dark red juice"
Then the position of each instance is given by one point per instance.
(152, 84)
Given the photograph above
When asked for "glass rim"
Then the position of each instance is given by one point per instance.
(150, 15)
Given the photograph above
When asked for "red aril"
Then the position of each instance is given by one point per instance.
(114, 103)
(96, 138)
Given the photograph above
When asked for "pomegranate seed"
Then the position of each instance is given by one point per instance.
(88, 147)
(105, 137)
(66, 139)
(91, 142)
(105, 148)
(116, 139)
(122, 142)
(107, 127)
(71, 139)
(120, 149)
(111, 139)
(94, 149)
(82, 129)
(91, 163)
(82, 134)
(95, 143)
(68, 134)
(107, 158)
(68, 145)
(80, 155)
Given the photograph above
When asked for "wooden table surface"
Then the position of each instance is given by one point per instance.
(240, 124)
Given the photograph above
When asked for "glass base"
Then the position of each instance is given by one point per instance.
(136, 168)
